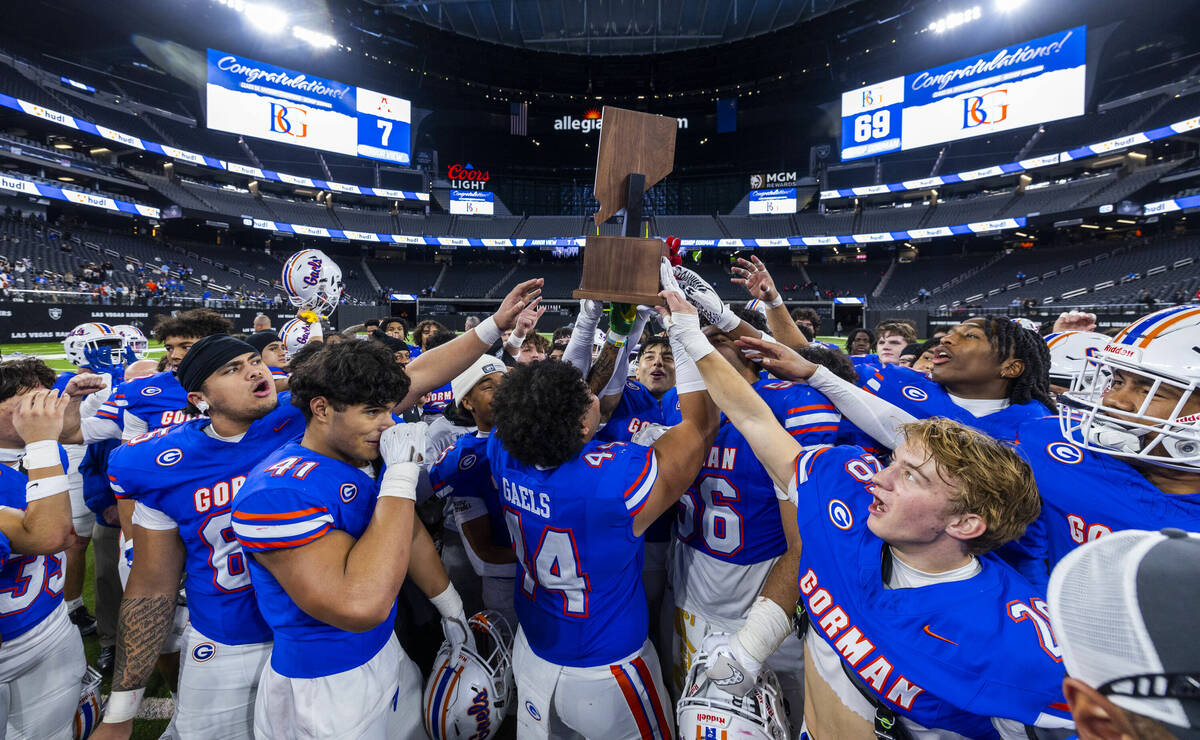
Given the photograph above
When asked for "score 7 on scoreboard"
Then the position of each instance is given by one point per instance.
(1020, 85)
(384, 126)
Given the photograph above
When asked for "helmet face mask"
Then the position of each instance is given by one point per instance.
(313, 281)
(95, 346)
(1153, 367)
(1072, 354)
(705, 706)
(136, 344)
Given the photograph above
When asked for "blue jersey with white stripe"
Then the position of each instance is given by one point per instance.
(438, 400)
(948, 656)
(730, 512)
(463, 471)
(192, 478)
(145, 404)
(290, 499)
(637, 409)
(1086, 495)
(30, 585)
(924, 398)
(579, 593)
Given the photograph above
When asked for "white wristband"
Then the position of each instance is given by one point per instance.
(122, 706)
(766, 626)
(41, 454)
(775, 302)
(400, 481)
(39, 489)
(726, 322)
(488, 332)
(514, 341)
(448, 603)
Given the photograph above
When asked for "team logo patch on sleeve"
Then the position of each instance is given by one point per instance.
(348, 491)
(533, 711)
(167, 458)
(840, 514)
(913, 393)
(466, 462)
(151, 390)
(1065, 452)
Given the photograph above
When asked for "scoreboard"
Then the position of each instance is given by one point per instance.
(254, 98)
(1020, 85)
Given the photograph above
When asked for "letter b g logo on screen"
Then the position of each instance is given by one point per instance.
(289, 119)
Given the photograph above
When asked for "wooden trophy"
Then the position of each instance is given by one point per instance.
(636, 151)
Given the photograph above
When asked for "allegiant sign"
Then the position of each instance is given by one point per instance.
(587, 125)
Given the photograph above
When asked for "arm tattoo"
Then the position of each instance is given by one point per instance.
(602, 368)
(143, 625)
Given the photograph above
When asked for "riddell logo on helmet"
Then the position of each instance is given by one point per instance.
(713, 718)
(483, 717)
(1121, 350)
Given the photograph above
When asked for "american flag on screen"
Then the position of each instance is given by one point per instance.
(518, 119)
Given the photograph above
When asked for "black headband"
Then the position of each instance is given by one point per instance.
(259, 340)
(206, 356)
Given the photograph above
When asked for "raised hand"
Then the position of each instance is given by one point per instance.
(38, 415)
(783, 362)
(1075, 321)
(84, 384)
(753, 275)
(517, 300)
(528, 318)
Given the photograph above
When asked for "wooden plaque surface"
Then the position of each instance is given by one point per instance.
(631, 142)
(622, 269)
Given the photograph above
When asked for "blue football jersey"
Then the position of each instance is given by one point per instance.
(438, 400)
(579, 593)
(730, 512)
(290, 499)
(30, 585)
(192, 478)
(948, 656)
(145, 404)
(638, 408)
(1086, 495)
(924, 398)
(463, 471)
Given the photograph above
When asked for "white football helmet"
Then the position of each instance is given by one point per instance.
(468, 693)
(313, 281)
(136, 344)
(297, 333)
(1029, 324)
(707, 711)
(87, 716)
(95, 346)
(1070, 352)
(1155, 361)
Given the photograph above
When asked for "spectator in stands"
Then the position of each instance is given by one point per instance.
(891, 337)
(262, 322)
(860, 341)
(1148, 299)
(807, 317)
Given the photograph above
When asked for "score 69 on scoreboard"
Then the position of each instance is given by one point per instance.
(1020, 85)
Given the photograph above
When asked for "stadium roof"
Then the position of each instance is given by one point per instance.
(605, 27)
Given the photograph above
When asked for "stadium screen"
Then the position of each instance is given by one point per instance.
(254, 98)
(780, 200)
(471, 202)
(1020, 85)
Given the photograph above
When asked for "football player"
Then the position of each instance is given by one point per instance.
(728, 527)
(577, 509)
(182, 482)
(330, 546)
(913, 621)
(41, 653)
(1124, 450)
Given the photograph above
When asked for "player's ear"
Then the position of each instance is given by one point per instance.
(1096, 718)
(1012, 368)
(319, 406)
(966, 526)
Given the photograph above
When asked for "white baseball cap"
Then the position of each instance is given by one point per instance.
(470, 377)
(1124, 609)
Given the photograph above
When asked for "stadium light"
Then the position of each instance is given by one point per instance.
(1008, 6)
(956, 19)
(266, 18)
(315, 38)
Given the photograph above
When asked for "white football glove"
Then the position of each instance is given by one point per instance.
(649, 434)
(454, 620)
(401, 446)
(729, 667)
(701, 295)
(590, 311)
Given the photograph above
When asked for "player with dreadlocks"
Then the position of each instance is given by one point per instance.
(988, 373)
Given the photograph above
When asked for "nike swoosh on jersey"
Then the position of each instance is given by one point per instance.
(931, 633)
(281, 426)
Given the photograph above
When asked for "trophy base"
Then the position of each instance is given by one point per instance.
(612, 297)
(621, 269)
